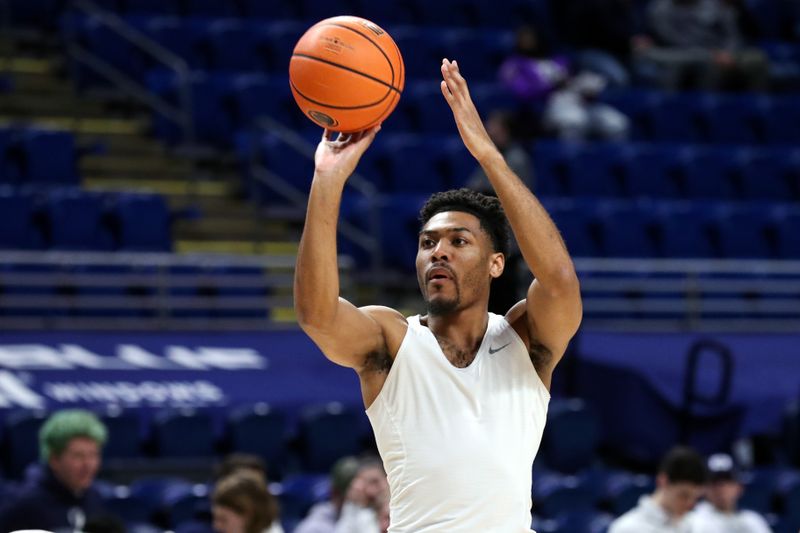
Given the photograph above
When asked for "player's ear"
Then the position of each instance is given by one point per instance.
(497, 264)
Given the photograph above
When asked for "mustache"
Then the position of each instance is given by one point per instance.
(442, 266)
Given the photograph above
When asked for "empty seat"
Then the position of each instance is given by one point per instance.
(48, 156)
(230, 46)
(765, 174)
(328, 433)
(177, 36)
(570, 440)
(742, 233)
(413, 165)
(555, 495)
(183, 433)
(787, 229)
(626, 230)
(782, 124)
(124, 433)
(707, 173)
(143, 223)
(21, 441)
(212, 8)
(575, 222)
(152, 7)
(736, 119)
(650, 171)
(622, 491)
(682, 231)
(259, 430)
(17, 227)
(678, 118)
(595, 171)
(75, 221)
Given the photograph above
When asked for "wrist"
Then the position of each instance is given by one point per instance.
(490, 157)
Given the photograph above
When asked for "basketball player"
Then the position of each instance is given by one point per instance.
(458, 397)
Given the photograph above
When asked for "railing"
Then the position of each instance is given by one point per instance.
(693, 295)
(366, 240)
(101, 291)
(181, 115)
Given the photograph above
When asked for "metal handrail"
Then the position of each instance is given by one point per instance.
(369, 241)
(182, 115)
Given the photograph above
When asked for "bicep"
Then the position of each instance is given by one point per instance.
(352, 335)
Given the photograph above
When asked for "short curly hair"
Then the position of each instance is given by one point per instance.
(486, 208)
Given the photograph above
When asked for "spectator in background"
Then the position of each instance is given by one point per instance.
(606, 33)
(366, 508)
(699, 45)
(70, 444)
(323, 516)
(571, 109)
(241, 503)
(679, 484)
(241, 461)
(719, 514)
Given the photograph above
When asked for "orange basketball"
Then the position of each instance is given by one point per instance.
(346, 74)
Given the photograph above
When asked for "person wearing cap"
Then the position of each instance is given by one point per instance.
(323, 516)
(679, 484)
(62, 497)
(720, 513)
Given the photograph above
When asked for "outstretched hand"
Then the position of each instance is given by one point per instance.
(337, 156)
(469, 123)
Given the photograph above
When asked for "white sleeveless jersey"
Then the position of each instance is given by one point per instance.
(458, 443)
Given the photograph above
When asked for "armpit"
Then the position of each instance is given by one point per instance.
(541, 356)
(378, 361)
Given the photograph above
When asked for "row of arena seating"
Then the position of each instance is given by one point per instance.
(234, 45)
(73, 219)
(37, 156)
(612, 228)
(570, 482)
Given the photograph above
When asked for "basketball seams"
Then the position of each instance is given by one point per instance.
(349, 69)
(373, 43)
(329, 106)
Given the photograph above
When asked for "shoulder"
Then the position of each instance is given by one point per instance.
(630, 522)
(392, 323)
(755, 521)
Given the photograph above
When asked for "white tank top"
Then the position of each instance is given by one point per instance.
(458, 443)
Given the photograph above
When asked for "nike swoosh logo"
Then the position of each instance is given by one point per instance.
(493, 351)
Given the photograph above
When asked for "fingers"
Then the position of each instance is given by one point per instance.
(452, 76)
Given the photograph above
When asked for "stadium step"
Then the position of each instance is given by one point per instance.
(146, 166)
(161, 186)
(278, 248)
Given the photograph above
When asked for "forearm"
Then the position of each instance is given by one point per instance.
(538, 238)
(316, 279)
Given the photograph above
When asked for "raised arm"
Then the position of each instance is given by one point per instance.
(346, 334)
(552, 311)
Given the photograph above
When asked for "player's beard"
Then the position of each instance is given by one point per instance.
(441, 306)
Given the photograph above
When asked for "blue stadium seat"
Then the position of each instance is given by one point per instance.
(387, 13)
(683, 230)
(595, 171)
(9, 171)
(21, 441)
(570, 440)
(33, 13)
(186, 503)
(575, 222)
(707, 173)
(231, 46)
(422, 51)
(48, 157)
(649, 171)
(765, 174)
(76, 221)
(432, 114)
(287, 163)
(759, 489)
(487, 50)
(446, 13)
(259, 430)
(678, 118)
(742, 232)
(152, 7)
(183, 433)
(626, 230)
(110, 47)
(142, 223)
(177, 36)
(412, 165)
(736, 119)
(276, 41)
(638, 106)
(556, 495)
(255, 95)
(300, 491)
(782, 125)
(551, 165)
(124, 433)
(268, 11)
(211, 8)
(787, 229)
(328, 433)
(622, 491)
(321, 9)
(17, 227)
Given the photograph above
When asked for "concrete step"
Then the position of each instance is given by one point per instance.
(121, 145)
(286, 249)
(165, 186)
(215, 228)
(46, 104)
(101, 126)
(136, 165)
(14, 64)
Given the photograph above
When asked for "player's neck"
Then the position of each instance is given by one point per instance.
(465, 327)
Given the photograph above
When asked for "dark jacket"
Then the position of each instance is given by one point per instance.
(45, 503)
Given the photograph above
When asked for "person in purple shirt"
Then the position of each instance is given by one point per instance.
(569, 99)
